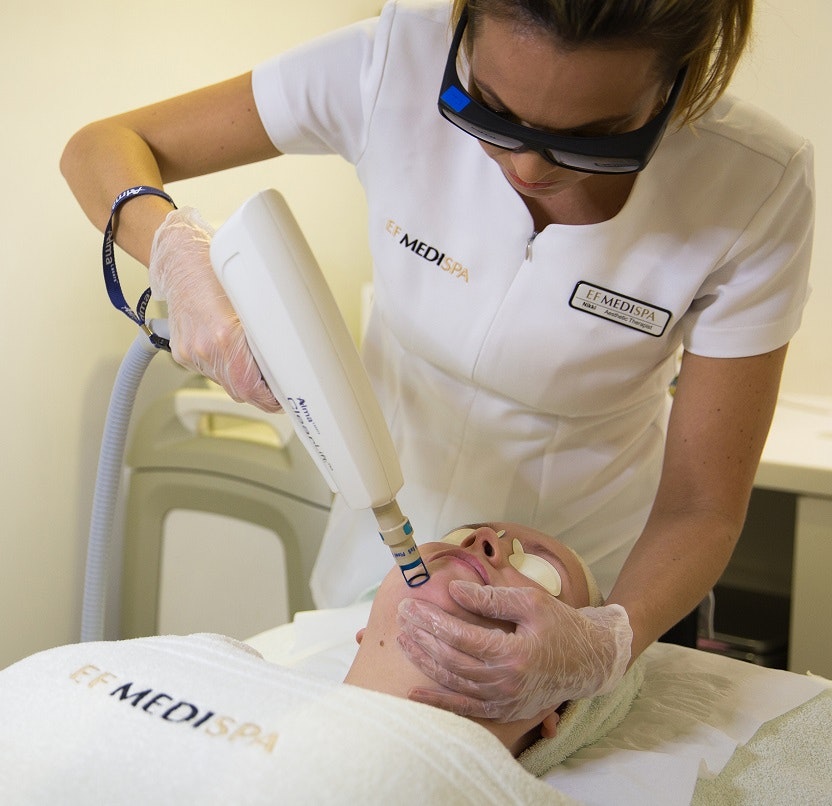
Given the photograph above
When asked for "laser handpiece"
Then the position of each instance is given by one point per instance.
(397, 534)
(309, 361)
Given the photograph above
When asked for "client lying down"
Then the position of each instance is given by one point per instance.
(167, 718)
(499, 554)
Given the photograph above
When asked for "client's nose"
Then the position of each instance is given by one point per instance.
(487, 541)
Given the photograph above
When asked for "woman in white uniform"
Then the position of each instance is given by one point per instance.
(587, 205)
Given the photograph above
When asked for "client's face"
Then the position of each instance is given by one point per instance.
(497, 554)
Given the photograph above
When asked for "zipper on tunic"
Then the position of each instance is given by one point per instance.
(529, 245)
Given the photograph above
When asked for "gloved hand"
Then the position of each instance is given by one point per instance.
(205, 333)
(556, 653)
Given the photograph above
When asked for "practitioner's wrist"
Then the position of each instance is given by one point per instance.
(615, 636)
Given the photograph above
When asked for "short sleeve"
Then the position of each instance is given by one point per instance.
(753, 302)
(319, 97)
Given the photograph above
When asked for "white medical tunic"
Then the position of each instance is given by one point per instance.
(524, 376)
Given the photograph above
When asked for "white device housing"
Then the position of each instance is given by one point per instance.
(308, 359)
(304, 350)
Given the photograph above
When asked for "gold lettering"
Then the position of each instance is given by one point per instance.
(83, 672)
(267, 742)
(103, 678)
(221, 724)
(392, 227)
(248, 730)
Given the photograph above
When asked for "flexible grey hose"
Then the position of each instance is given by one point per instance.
(110, 461)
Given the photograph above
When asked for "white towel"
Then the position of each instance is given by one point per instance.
(789, 760)
(204, 719)
(583, 722)
(693, 710)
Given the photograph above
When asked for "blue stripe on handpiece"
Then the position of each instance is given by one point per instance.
(455, 99)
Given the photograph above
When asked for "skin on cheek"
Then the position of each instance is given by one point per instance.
(393, 590)
(442, 598)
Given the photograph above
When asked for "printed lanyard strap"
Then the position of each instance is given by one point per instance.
(108, 258)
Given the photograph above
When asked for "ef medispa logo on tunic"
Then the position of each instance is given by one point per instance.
(424, 250)
(618, 308)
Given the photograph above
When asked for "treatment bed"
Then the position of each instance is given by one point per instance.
(206, 718)
(704, 729)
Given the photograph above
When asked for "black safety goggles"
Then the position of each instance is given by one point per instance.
(627, 152)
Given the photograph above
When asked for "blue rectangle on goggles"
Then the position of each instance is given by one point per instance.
(455, 99)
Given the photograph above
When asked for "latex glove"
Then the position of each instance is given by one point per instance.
(205, 334)
(556, 653)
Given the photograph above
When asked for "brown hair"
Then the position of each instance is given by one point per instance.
(707, 35)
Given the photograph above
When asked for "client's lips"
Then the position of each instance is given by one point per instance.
(467, 558)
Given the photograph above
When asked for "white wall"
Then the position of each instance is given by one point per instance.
(88, 59)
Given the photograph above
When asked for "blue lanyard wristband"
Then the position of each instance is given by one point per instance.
(108, 258)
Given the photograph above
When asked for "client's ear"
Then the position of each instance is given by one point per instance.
(359, 636)
(549, 726)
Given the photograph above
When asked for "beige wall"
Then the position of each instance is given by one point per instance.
(81, 61)
(63, 342)
(786, 72)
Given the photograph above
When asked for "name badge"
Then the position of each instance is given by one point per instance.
(618, 308)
